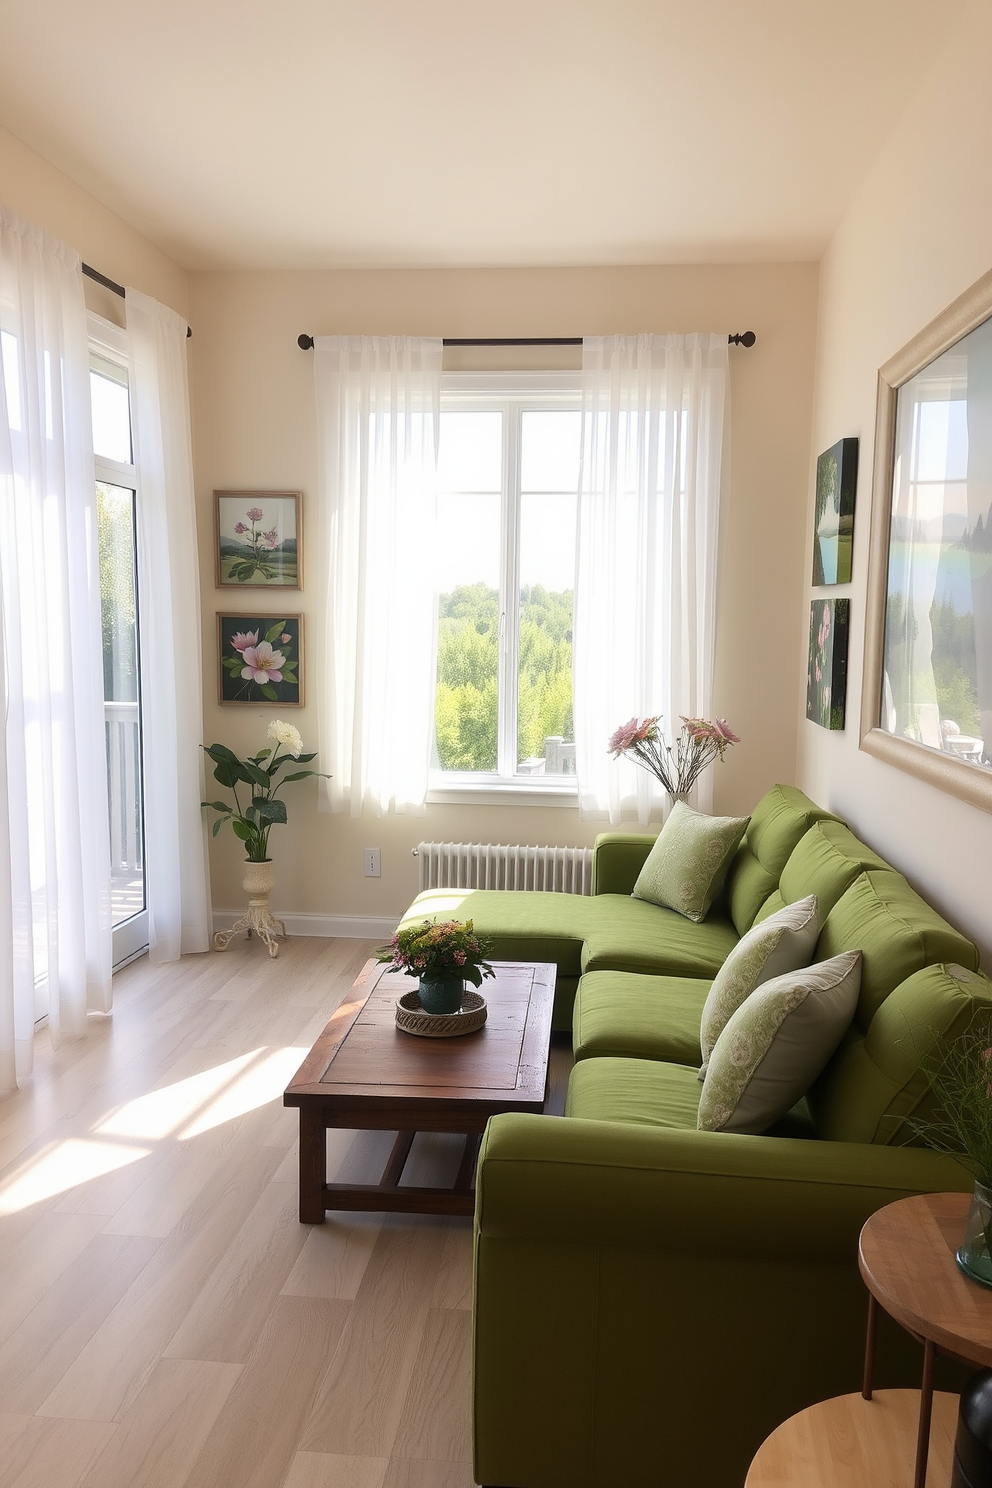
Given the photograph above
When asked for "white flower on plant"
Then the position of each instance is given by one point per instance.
(286, 735)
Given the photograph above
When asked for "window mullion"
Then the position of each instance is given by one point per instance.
(510, 603)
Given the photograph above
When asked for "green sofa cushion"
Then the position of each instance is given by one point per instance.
(874, 1082)
(637, 1090)
(825, 862)
(630, 1016)
(624, 934)
(897, 932)
(780, 819)
(525, 925)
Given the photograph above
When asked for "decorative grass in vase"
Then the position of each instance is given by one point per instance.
(960, 1125)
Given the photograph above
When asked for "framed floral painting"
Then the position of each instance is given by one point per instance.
(261, 659)
(826, 680)
(258, 541)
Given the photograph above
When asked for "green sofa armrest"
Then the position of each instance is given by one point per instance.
(650, 1304)
(570, 1181)
(617, 859)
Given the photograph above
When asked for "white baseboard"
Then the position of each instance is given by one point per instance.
(345, 927)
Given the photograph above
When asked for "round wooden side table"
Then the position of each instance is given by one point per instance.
(850, 1442)
(906, 1257)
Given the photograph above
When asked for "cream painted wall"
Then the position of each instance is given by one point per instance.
(918, 233)
(255, 428)
(105, 241)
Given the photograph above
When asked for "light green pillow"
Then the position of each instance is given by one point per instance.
(687, 864)
(784, 942)
(776, 1044)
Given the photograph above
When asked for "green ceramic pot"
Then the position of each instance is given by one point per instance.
(441, 994)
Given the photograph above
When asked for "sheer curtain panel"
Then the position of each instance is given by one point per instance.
(169, 598)
(378, 420)
(55, 937)
(654, 410)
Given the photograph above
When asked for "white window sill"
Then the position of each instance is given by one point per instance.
(503, 793)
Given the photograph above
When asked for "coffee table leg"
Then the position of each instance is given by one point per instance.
(466, 1168)
(313, 1166)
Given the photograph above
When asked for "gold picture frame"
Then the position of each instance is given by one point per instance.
(933, 765)
(274, 675)
(258, 540)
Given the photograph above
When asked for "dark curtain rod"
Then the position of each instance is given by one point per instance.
(111, 284)
(740, 338)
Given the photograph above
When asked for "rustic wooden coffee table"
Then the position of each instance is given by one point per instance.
(363, 1073)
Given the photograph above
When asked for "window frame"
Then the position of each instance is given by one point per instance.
(934, 767)
(110, 342)
(512, 393)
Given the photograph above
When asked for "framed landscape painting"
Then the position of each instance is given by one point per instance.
(258, 540)
(261, 659)
(826, 680)
(833, 530)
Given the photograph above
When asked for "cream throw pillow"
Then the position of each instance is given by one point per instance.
(776, 1044)
(687, 864)
(784, 942)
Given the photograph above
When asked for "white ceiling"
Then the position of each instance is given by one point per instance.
(317, 133)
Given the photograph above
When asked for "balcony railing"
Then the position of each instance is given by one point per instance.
(127, 859)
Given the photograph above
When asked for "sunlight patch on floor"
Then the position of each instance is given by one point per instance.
(184, 1109)
(65, 1166)
(161, 1112)
(263, 1081)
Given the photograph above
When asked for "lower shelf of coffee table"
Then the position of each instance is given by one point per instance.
(392, 1197)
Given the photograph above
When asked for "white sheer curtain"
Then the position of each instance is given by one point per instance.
(378, 421)
(55, 938)
(653, 419)
(169, 600)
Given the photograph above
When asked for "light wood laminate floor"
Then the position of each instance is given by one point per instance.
(165, 1321)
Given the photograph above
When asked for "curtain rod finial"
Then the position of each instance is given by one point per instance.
(742, 338)
(305, 342)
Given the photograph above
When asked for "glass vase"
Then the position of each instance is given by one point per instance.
(973, 1255)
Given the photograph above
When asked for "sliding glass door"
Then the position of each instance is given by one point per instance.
(116, 490)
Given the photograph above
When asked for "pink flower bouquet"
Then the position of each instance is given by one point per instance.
(678, 766)
(439, 948)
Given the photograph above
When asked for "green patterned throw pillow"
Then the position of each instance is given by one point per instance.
(784, 942)
(776, 1044)
(686, 866)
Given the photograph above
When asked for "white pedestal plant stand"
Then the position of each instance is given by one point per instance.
(257, 919)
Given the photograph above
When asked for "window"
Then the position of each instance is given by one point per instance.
(508, 468)
(115, 490)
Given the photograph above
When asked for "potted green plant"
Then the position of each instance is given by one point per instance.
(261, 778)
(444, 954)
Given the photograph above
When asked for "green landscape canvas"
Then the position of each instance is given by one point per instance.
(833, 530)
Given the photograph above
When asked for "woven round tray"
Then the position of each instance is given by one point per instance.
(411, 1017)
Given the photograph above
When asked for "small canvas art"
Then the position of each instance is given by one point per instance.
(833, 532)
(261, 659)
(257, 539)
(826, 680)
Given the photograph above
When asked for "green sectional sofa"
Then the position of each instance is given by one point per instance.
(651, 1300)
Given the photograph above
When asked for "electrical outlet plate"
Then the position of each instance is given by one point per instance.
(373, 865)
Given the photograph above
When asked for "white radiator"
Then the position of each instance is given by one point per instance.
(480, 865)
